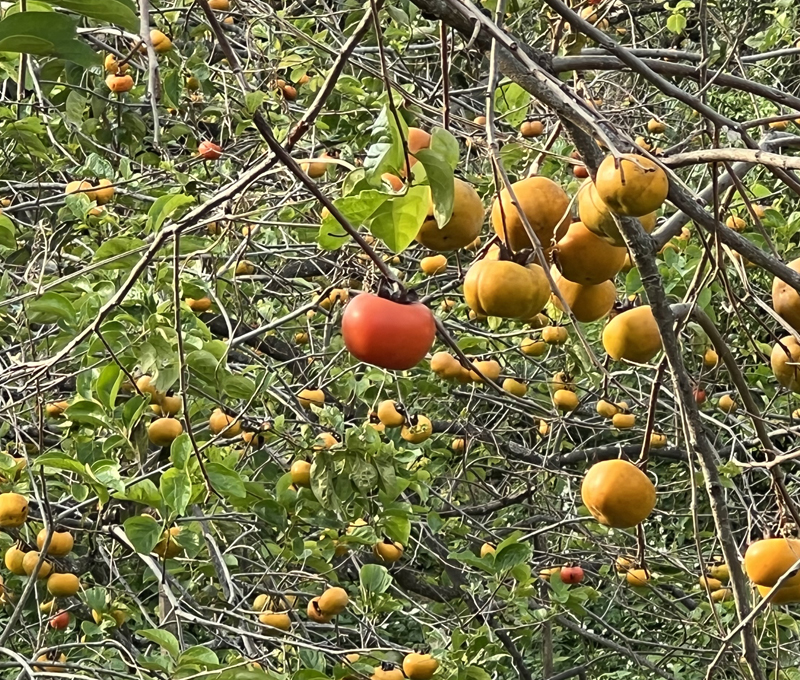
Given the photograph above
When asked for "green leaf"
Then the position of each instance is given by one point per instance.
(106, 472)
(181, 450)
(117, 12)
(163, 638)
(508, 556)
(119, 246)
(198, 655)
(163, 208)
(512, 102)
(386, 154)
(374, 578)
(143, 532)
(176, 488)
(239, 387)
(398, 528)
(26, 32)
(75, 106)
(445, 146)
(51, 307)
(8, 235)
(88, 412)
(676, 23)
(357, 209)
(397, 221)
(107, 386)
(226, 481)
(442, 184)
(60, 461)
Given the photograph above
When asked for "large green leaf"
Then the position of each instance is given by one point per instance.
(511, 101)
(163, 638)
(120, 12)
(375, 578)
(51, 307)
(119, 246)
(386, 154)
(143, 532)
(7, 232)
(442, 184)
(226, 481)
(397, 221)
(176, 488)
(357, 209)
(164, 207)
(27, 32)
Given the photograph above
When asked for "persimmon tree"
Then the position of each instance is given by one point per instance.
(399, 340)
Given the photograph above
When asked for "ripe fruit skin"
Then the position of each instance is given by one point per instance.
(720, 572)
(607, 409)
(170, 405)
(388, 552)
(446, 366)
(315, 614)
(387, 334)
(56, 408)
(572, 575)
(463, 226)
(104, 191)
(518, 389)
(419, 666)
(13, 560)
(13, 510)
(418, 433)
(506, 289)
(490, 370)
(221, 5)
(111, 65)
(727, 404)
(200, 305)
(633, 336)
(280, 621)
(301, 473)
(623, 421)
(60, 620)
(487, 549)
(60, 544)
(597, 217)
(655, 127)
(723, 595)
(146, 385)
(785, 366)
(40, 663)
(415, 140)
(219, 420)
(736, 223)
(161, 43)
(785, 299)
(393, 181)
(531, 128)
(712, 584)
(435, 264)
(63, 585)
(555, 335)
(314, 168)
(700, 396)
(544, 203)
(168, 547)
(164, 431)
(565, 400)
(658, 440)
(119, 83)
(533, 348)
(389, 415)
(333, 601)
(587, 302)
(710, 358)
(389, 674)
(644, 189)
(767, 560)
(245, 268)
(618, 494)
(637, 577)
(580, 171)
(623, 564)
(29, 564)
(307, 398)
(785, 595)
(209, 151)
(585, 258)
